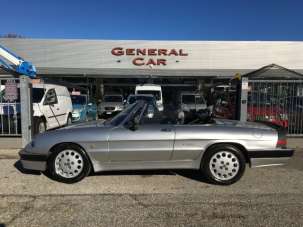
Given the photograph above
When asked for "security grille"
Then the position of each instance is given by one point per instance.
(10, 116)
(277, 101)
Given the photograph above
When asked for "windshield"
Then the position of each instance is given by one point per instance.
(156, 94)
(133, 99)
(113, 98)
(188, 99)
(78, 99)
(38, 94)
(118, 119)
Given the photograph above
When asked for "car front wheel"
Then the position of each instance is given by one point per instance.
(68, 164)
(223, 164)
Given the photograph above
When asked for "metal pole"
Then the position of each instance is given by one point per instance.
(26, 109)
(243, 104)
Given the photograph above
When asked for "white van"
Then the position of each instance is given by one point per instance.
(151, 89)
(52, 107)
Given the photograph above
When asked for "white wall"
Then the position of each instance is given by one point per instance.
(208, 55)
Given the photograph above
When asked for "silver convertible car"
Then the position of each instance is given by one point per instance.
(140, 137)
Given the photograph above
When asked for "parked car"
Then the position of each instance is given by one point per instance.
(191, 101)
(140, 137)
(258, 109)
(82, 109)
(266, 108)
(111, 104)
(151, 89)
(52, 107)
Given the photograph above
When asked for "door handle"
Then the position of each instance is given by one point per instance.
(58, 108)
(165, 130)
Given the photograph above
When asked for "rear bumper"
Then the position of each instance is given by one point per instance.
(33, 161)
(262, 158)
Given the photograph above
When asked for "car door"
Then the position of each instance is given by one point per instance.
(151, 140)
(64, 105)
(51, 109)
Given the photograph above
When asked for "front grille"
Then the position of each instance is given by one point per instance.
(109, 108)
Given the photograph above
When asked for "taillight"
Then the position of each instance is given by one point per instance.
(282, 143)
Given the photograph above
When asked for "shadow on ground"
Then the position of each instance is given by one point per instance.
(19, 167)
(190, 174)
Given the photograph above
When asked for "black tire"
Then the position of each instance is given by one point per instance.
(51, 169)
(209, 161)
(39, 123)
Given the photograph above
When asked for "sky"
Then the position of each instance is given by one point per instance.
(154, 19)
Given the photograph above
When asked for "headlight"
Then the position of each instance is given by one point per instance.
(76, 113)
(119, 108)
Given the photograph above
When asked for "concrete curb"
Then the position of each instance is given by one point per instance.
(9, 153)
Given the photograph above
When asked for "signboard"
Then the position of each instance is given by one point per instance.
(11, 91)
(148, 56)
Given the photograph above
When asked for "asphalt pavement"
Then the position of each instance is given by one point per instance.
(271, 196)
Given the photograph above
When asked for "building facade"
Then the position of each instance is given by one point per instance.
(110, 65)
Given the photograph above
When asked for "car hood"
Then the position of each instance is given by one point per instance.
(240, 124)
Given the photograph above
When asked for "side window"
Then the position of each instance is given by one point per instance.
(51, 97)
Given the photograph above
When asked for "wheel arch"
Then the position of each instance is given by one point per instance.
(238, 146)
(52, 149)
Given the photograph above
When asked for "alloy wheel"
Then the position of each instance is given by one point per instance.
(224, 165)
(68, 164)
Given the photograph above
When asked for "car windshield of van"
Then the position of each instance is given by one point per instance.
(113, 98)
(156, 94)
(133, 99)
(188, 99)
(38, 94)
(78, 99)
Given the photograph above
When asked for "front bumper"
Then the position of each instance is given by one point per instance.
(32, 161)
(262, 158)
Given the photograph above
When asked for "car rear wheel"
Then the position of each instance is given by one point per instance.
(223, 164)
(68, 164)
